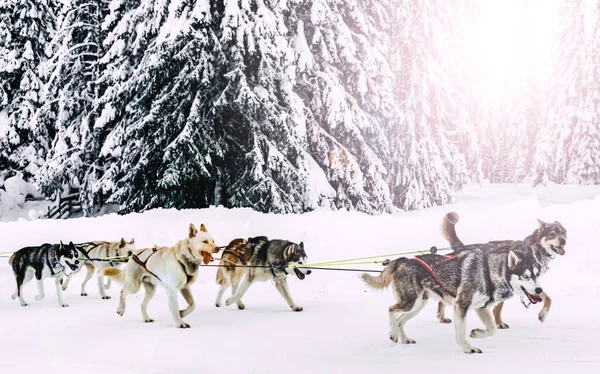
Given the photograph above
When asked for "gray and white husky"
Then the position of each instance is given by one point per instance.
(45, 261)
(468, 280)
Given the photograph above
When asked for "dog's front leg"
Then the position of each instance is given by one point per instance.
(59, 292)
(460, 326)
(174, 306)
(490, 326)
(41, 294)
(187, 295)
(498, 316)
(546, 308)
(240, 291)
(282, 287)
(88, 276)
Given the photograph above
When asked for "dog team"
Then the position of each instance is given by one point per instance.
(479, 276)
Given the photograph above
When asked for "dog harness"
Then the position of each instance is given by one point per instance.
(430, 271)
(143, 263)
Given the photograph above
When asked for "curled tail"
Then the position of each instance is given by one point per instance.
(115, 274)
(382, 280)
(448, 230)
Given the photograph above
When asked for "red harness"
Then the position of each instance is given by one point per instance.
(430, 271)
(143, 263)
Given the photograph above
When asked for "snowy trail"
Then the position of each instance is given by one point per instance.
(343, 327)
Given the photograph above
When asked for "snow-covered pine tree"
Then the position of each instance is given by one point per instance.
(23, 145)
(562, 95)
(344, 87)
(583, 151)
(429, 166)
(70, 75)
(158, 129)
(266, 168)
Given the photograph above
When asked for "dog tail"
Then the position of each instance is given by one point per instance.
(115, 274)
(382, 280)
(11, 259)
(449, 231)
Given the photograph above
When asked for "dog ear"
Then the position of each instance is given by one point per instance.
(132, 241)
(193, 230)
(202, 227)
(513, 260)
(289, 251)
(61, 244)
(122, 243)
(302, 245)
(542, 223)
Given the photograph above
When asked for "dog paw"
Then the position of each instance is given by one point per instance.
(241, 306)
(14, 296)
(64, 287)
(472, 350)
(218, 305)
(64, 305)
(24, 304)
(503, 326)
(542, 316)
(105, 297)
(408, 341)
(120, 312)
(445, 320)
(229, 301)
(148, 320)
(297, 308)
(478, 333)
(394, 338)
(183, 325)
(40, 297)
(83, 294)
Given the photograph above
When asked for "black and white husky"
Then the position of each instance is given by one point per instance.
(468, 280)
(44, 261)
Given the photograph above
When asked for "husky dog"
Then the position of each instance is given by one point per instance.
(468, 280)
(90, 252)
(259, 259)
(545, 243)
(44, 261)
(174, 267)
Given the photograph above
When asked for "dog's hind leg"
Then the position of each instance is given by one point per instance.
(108, 282)
(59, 292)
(441, 315)
(498, 317)
(187, 295)
(90, 273)
(239, 291)
(546, 308)
(150, 291)
(22, 278)
(282, 287)
(100, 279)
(490, 327)
(174, 306)
(403, 318)
(222, 290)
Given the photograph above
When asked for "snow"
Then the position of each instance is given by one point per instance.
(343, 327)
(12, 200)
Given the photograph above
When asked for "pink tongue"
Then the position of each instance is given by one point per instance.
(560, 250)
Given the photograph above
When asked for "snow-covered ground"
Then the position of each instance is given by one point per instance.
(343, 328)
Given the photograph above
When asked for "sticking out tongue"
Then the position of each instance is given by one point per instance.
(299, 274)
(560, 250)
(207, 258)
(534, 299)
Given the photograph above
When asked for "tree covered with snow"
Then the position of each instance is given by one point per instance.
(71, 91)
(562, 95)
(26, 29)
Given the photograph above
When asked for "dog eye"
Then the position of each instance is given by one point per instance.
(525, 276)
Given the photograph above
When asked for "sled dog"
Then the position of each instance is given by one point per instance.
(547, 241)
(244, 262)
(175, 268)
(91, 253)
(467, 280)
(44, 261)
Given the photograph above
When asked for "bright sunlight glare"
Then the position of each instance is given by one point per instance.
(511, 41)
